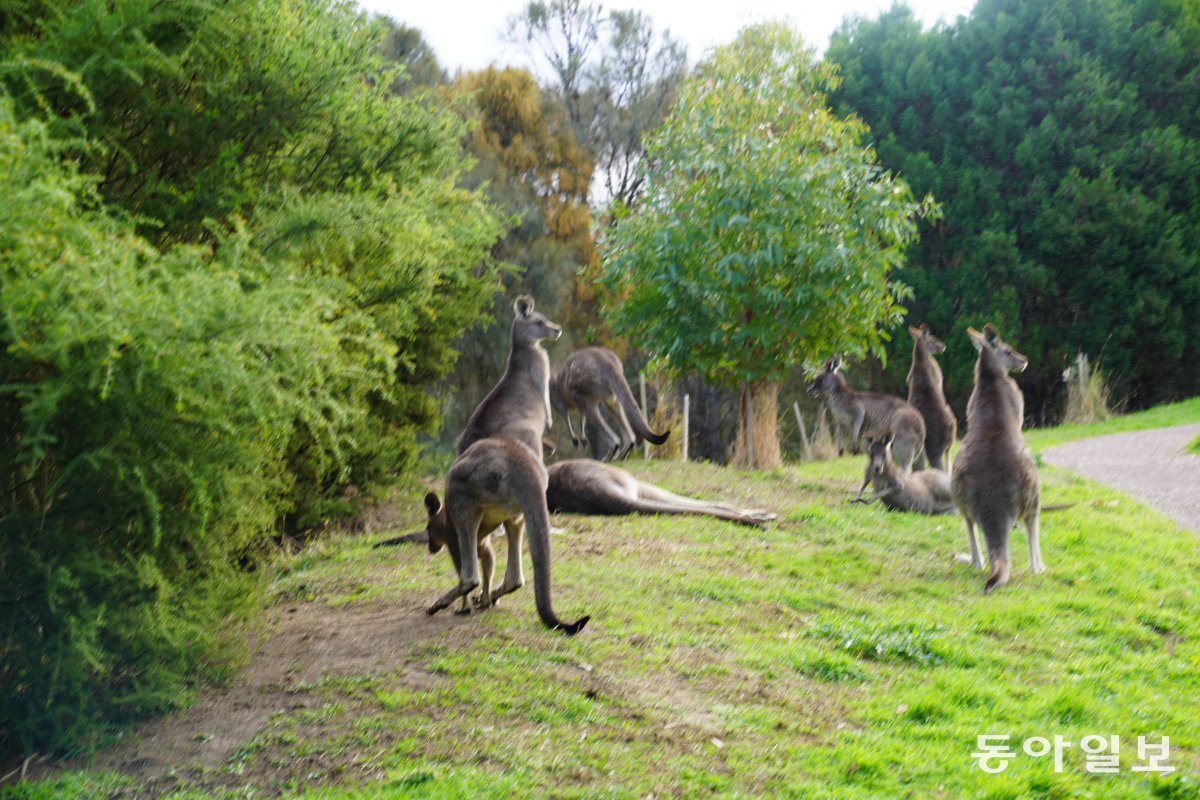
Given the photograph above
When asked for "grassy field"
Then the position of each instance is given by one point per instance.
(843, 653)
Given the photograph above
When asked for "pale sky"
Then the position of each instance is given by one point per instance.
(467, 34)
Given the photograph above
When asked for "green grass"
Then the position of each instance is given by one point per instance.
(843, 653)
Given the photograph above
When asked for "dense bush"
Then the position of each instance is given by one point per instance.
(1063, 141)
(231, 265)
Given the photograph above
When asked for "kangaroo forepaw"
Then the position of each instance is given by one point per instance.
(482, 601)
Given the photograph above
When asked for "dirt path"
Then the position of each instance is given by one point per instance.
(1152, 466)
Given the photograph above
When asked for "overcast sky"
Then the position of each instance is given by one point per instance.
(467, 34)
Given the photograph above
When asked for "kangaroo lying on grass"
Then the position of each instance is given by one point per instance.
(591, 378)
(584, 486)
(995, 480)
(926, 395)
(868, 414)
(499, 478)
(925, 492)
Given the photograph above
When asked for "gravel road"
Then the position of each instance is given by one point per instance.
(1152, 466)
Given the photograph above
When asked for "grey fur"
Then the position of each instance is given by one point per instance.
(869, 414)
(925, 393)
(995, 480)
(925, 492)
(584, 486)
(592, 378)
(499, 479)
(518, 407)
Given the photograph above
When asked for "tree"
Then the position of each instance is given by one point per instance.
(1062, 139)
(535, 173)
(615, 75)
(767, 233)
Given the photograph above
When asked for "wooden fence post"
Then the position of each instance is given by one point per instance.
(806, 450)
(687, 402)
(645, 415)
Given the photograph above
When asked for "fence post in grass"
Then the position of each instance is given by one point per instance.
(645, 415)
(687, 407)
(806, 450)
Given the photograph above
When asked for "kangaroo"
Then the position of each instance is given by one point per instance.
(591, 378)
(995, 480)
(518, 406)
(499, 478)
(583, 486)
(870, 414)
(925, 492)
(926, 395)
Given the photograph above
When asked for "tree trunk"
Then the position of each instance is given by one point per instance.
(758, 430)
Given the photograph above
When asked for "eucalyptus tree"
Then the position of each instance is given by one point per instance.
(767, 232)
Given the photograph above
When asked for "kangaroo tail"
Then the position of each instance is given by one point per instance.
(636, 420)
(997, 545)
(420, 537)
(537, 531)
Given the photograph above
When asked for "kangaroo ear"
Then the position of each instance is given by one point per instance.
(915, 332)
(977, 338)
(888, 439)
(990, 333)
(523, 306)
(836, 363)
(432, 504)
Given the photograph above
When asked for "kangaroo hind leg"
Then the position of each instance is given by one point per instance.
(466, 524)
(514, 577)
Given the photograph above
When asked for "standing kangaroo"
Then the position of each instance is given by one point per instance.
(870, 414)
(995, 480)
(591, 378)
(584, 486)
(925, 492)
(499, 478)
(926, 395)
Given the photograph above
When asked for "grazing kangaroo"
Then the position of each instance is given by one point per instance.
(925, 492)
(499, 478)
(925, 394)
(583, 486)
(589, 379)
(995, 480)
(870, 414)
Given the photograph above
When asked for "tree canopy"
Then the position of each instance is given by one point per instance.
(767, 233)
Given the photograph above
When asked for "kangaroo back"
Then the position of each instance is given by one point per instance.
(925, 393)
(995, 480)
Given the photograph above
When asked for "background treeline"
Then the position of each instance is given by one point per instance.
(1062, 139)
(233, 261)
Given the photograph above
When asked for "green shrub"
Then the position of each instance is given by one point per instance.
(148, 402)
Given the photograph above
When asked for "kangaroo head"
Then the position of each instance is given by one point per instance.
(437, 526)
(1008, 359)
(826, 380)
(879, 453)
(923, 334)
(530, 326)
